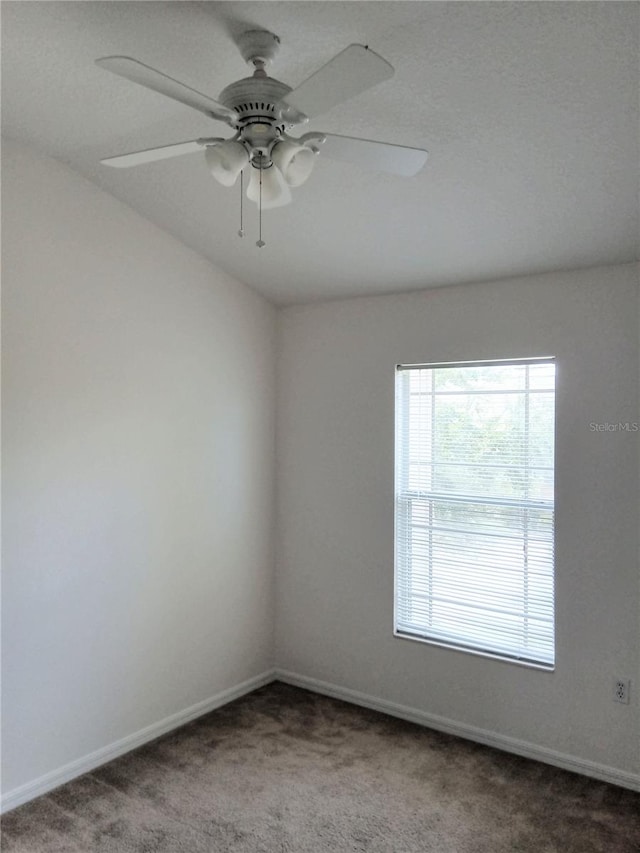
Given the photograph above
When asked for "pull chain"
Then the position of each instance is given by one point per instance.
(260, 242)
(241, 231)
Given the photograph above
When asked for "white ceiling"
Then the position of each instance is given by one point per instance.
(529, 111)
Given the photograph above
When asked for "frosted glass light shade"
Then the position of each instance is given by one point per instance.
(294, 161)
(275, 193)
(226, 161)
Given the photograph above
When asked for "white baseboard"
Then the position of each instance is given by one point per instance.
(53, 779)
(443, 724)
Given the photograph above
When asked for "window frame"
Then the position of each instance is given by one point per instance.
(456, 645)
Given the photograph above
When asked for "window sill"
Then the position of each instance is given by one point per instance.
(529, 664)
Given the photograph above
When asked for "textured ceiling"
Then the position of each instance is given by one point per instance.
(529, 112)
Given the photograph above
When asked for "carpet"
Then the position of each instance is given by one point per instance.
(283, 770)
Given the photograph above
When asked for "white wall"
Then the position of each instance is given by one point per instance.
(335, 467)
(138, 439)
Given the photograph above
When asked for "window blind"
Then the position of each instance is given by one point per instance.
(475, 507)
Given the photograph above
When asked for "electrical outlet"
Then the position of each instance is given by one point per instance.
(621, 688)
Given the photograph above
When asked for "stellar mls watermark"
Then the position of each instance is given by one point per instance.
(620, 426)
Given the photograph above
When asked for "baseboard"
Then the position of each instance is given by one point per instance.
(53, 779)
(519, 747)
(31, 790)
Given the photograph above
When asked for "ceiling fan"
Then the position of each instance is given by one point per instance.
(262, 110)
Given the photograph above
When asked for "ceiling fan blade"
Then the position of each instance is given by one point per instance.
(396, 159)
(351, 72)
(150, 155)
(144, 75)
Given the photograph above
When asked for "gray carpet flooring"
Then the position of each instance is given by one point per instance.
(287, 771)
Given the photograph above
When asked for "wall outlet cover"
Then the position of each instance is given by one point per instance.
(621, 689)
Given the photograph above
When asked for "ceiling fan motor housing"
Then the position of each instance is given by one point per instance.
(255, 99)
(262, 116)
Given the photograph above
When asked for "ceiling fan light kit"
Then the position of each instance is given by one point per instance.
(267, 188)
(295, 161)
(262, 110)
(226, 161)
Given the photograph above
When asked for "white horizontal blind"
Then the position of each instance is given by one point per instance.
(474, 507)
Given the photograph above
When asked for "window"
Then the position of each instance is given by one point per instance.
(474, 507)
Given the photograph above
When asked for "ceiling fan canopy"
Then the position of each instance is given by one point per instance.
(262, 111)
